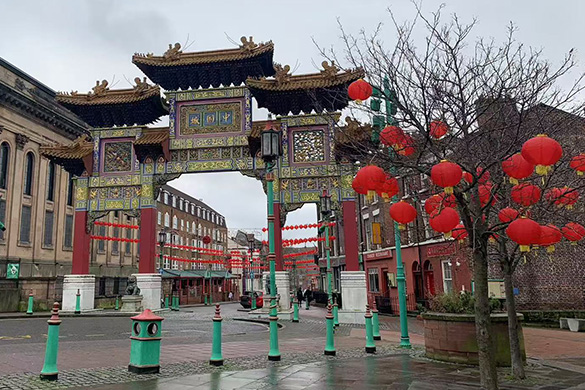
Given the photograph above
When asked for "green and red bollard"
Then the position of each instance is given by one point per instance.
(166, 301)
(216, 355)
(330, 343)
(370, 345)
(375, 324)
(50, 371)
(145, 343)
(31, 299)
(335, 312)
(295, 310)
(78, 302)
(117, 305)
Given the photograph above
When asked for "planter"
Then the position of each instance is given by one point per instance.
(451, 338)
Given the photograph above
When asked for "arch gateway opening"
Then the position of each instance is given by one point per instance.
(122, 163)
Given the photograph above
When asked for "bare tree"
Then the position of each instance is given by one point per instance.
(493, 96)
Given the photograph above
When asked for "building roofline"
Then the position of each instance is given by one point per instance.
(191, 199)
(22, 74)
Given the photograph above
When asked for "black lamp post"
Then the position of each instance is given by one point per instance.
(162, 239)
(270, 145)
(325, 203)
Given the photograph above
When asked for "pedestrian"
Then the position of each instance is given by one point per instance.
(231, 296)
(307, 296)
(300, 295)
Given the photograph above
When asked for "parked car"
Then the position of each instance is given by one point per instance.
(246, 302)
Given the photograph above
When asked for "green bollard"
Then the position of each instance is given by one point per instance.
(216, 356)
(145, 343)
(78, 302)
(166, 301)
(335, 313)
(178, 303)
(50, 371)
(307, 305)
(29, 310)
(370, 345)
(375, 324)
(274, 352)
(330, 344)
(117, 303)
(295, 310)
(205, 303)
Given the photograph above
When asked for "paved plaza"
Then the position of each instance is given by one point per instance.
(94, 351)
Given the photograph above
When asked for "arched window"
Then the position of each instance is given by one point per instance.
(4, 159)
(29, 170)
(51, 182)
(175, 222)
(159, 218)
(167, 221)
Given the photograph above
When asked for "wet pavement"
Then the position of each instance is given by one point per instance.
(391, 372)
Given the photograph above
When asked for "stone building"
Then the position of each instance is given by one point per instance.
(36, 196)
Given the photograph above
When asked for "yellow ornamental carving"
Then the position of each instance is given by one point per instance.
(93, 193)
(147, 191)
(81, 194)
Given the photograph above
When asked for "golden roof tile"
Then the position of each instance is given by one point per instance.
(101, 94)
(77, 149)
(175, 57)
(153, 136)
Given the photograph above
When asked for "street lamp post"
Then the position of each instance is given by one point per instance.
(390, 110)
(325, 200)
(271, 150)
(162, 239)
(252, 276)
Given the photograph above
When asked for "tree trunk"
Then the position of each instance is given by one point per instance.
(516, 354)
(487, 364)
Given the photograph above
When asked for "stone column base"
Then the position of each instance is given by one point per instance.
(131, 304)
(354, 297)
(86, 286)
(150, 286)
(283, 290)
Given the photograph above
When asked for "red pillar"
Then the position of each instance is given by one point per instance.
(278, 238)
(148, 240)
(350, 234)
(81, 241)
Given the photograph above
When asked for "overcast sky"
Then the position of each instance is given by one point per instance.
(70, 44)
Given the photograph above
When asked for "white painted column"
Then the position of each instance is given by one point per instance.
(86, 286)
(150, 286)
(283, 289)
(353, 297)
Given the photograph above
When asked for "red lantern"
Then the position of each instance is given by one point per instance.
(403, 213)
(485, 193)
(568, 197)
(573, 232)
(524, 232)
(358, 186)
(525, 194)
(468, 177)
(392, 135)
(407, 148)
(445, 220)
(439, 201)
(447, 175)
(543, 152)
(437, 129)
(578, 164)
(483, 176)
(508, 215)
(517, 168)
(553, 195)
(359, 90)
(549, 236)
(389, 188)
(206, 240)
(371, 178)
(459, 233)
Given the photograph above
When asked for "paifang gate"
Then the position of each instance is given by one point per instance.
(123, 162)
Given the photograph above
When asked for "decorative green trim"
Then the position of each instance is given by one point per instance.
(205, 94)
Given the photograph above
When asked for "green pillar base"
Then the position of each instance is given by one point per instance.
(50, 376)
(329, 353)
(377, 338)
(274, 358)
(370, 349)
(143, 369)
(405, 343)
(216, 363)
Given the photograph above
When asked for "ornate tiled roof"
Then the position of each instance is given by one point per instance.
(75, 157)
(286, 93)
(153, 136)
(176, 70)
(103, 107)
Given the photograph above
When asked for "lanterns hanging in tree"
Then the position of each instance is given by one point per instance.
(525, 194)
(392, 135)
(389, 188)
(437, 129)
(408, 147)
(459, 233)
(573, 232)
(403, 213)
(508, 214)
(517, 168)
(371, 178)
(549, 236)
(358, 186)
(578, 164)
(543, 152)
(568, 197)
(359, 90)
(553, 195)
(439, 201)
(447, 175)
(468, 177)
(485, 194)
(524, 232)
(444, 221)
(483, 176)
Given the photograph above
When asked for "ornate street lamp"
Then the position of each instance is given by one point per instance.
(252, 276)
(325, 201)
(270, 145)
(162, 239)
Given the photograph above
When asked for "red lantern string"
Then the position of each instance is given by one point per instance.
(106, 238)
(298, 241)
(212, 252)
(192, 260)
(120, 225)
(312, 252)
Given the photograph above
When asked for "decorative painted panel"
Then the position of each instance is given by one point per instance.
(211, 118)
(308, 146)
(117, 157)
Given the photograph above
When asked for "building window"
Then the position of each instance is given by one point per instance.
(4, 159)
(175, 264)
(116, 244)
(102, 287)
(68, 241)
(2, 216)
(48, 236)
(116, 289)
(199, 211)
(166, 198)
(174, 201)
(167, 221)
(374, 280)
(159, 218)
(166, 262)
(102, 243)
(29, 171)
(192, 209)
(187, 226)
(175, 222)
(447, 276)
(25, 225)
(128, 250)
(51, 182)
(182, 224)
(368, 226)
(70, 189)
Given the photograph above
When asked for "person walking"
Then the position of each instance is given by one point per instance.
(300, 296)
(231, 296)
(308, 297)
